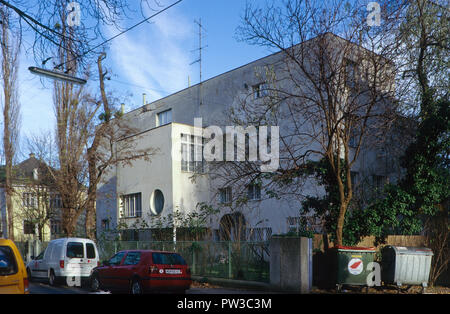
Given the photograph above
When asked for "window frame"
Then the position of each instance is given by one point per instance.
(129, 211)
(228, 195)
(164, 115)
(254, 192)
(192, 147)
(74, 243)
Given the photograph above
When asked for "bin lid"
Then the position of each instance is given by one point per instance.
(354, 248)
(411, 250)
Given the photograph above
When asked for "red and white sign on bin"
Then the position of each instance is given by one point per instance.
(355, 266)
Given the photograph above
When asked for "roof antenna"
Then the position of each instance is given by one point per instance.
(199, 60)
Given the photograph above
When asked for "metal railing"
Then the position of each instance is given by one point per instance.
(224, 259)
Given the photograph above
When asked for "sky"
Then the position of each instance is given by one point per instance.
(154, 58)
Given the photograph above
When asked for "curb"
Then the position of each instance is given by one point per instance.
(232, 283)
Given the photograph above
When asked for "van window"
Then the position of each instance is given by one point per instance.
(8, 265)
(75, 250)
(167, 259)
(90, 250)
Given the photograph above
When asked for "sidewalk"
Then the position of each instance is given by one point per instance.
(238, 284)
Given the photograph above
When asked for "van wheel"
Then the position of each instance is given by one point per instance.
(136, 287)
(52, 278)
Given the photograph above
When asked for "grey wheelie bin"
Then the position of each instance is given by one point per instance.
(402, 265)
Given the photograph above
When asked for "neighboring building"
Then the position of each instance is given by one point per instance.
(36, 203)
(133, 197)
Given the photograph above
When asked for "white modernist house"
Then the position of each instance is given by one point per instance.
(174, 180)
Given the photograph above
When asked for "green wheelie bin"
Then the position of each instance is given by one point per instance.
(351, 265)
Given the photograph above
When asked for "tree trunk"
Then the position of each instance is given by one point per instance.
(94, 174)
(90, 222)
(340, 224)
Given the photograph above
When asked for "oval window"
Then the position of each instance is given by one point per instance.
(157, 202)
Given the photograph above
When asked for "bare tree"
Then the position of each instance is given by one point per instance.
(43, 19)
(110, 146)
(10, 48)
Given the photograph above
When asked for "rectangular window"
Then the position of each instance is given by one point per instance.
(55, 201)
(29, 199)
(28, 227)
(167, 259)
(164, 117)
(225, 195)
(131, 205)
(55, 226)
(378, 183)
(192, 153)
(260, 90)
(105, 224)
(351, 73)
(75, 250)
(259, 234)
(254, 192)
(293, 224)
(90, 250)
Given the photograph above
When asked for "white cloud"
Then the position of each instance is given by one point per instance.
(155, 55)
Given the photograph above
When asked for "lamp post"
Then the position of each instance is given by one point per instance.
(57, 75)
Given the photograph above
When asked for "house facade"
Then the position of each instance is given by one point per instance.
(36, 204)
(148, 194)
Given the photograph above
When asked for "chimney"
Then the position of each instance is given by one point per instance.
(144, 102)
(122, 108)
(32, 155)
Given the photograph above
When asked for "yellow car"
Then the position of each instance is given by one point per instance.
(13, 275)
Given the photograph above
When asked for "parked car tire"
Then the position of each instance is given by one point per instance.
(95, 283)
(136, 287)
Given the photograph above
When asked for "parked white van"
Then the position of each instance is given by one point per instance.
(67, 260)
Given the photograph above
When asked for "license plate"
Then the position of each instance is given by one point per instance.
(173, 271)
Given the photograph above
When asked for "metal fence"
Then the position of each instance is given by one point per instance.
(232, 260)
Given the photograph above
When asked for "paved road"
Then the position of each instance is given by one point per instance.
(41, 287)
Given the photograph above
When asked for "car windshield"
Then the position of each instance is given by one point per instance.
(168, 259)
(75, 250)
(8, 265)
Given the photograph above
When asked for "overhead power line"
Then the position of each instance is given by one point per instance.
(34, 24)
(119, 34)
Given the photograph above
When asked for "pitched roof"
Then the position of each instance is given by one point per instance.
(29, 170)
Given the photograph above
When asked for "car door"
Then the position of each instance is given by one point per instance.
(37, 266)
(10, 276)
(128, 269)
(108, 274)
(75, 258)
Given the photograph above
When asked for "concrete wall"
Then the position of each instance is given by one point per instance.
(291, 264)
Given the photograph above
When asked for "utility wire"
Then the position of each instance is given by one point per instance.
(121, 33)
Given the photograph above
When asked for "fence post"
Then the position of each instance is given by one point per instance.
(229, 261)
(193, 260)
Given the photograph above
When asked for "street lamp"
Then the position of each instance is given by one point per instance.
(57, 75)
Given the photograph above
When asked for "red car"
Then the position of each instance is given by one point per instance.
(140, 271)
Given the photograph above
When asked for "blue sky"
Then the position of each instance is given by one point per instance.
(153, 58)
